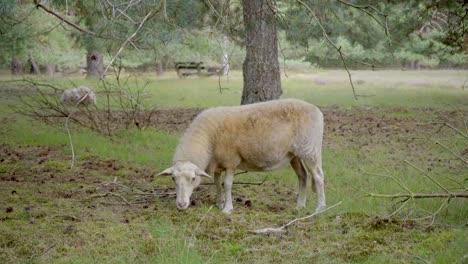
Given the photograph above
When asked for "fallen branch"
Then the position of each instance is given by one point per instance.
(419, 195)
(268, 230)
(242, 183)
(130, 195)
(43, 253)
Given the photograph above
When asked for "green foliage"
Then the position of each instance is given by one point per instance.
(410, 31)
(8, 7)
(430, 50)
(427, 33)
(42, 36)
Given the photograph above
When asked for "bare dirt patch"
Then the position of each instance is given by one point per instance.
(366, 125)
(357, 127)
(370, 126)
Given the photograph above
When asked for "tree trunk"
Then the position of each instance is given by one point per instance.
(34, 67)
(94, 64)
(262, 81)
(159, 68)
(16, 67)
(50, 70)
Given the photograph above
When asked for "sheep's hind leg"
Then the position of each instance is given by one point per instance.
(315, 167)
(219, 190)
(301, 173)
(227, 189)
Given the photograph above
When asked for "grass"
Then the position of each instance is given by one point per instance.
(205, 93)
(51, 214)
(404, 89)
(146, 147)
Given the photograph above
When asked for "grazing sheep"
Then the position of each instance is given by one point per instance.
(73, 96)
(257, 137)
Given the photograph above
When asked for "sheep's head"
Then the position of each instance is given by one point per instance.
(187, 177)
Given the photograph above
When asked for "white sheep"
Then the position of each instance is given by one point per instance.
(258, 137)
(75, 96)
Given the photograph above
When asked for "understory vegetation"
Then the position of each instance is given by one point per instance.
(406, 134)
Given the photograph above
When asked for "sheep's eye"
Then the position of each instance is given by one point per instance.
(193, 179)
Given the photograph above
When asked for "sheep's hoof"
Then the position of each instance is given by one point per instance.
(320, 208)
(300, 206)
(227, 210)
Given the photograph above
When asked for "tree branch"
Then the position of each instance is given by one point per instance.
(342, 56)
(75, 26)
(283, 228)
(419, 195)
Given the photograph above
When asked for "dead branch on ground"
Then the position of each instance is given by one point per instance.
(130, 195)
(452, 144)
(419, 195)
(283, 228)
(242, 183)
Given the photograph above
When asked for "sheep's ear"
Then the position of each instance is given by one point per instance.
(200, 172)
(166, 172)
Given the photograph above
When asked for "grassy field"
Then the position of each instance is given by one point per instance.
(110, 208)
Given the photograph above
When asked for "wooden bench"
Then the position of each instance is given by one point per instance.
(185, 69)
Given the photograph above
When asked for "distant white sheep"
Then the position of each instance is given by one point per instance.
(75, 95)
(257, 137)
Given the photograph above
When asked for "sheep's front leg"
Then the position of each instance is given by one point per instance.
(219, 190)
(227, 188)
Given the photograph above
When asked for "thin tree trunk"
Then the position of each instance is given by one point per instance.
(50, 70)
(34, 67)
(94, 64)
(16, 66)
(262, 81)
(159, 68)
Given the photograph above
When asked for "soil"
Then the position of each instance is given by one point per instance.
(367, 125)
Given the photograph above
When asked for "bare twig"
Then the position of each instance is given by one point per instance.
(434, 215)
(423, 260)
(268, 230)
(419, 195)
(128, 40)
(391, 177)
(43, 253)
(427, 175)
(338, 49)
(349, 73)
(242, 183)
(451, 152)
(189, 243)
(70, 23)
(253, 183)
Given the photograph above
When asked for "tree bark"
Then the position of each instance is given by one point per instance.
(94, 64)
(34, 67)
(16, 66)
(159, 68)
(50, 70)
(261, 71)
